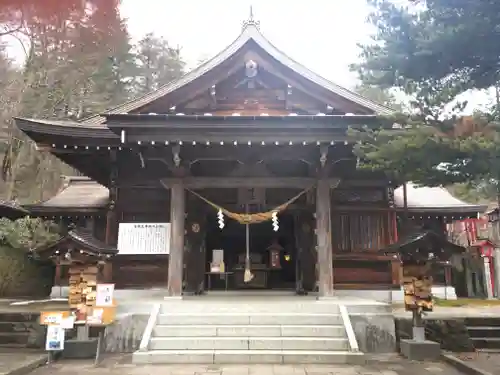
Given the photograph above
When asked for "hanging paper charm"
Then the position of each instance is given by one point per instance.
(220, 216)
(276, 226)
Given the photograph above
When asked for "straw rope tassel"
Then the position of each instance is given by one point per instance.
(256, 218)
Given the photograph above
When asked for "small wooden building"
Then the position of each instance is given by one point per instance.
(247, 131)
(76, 249)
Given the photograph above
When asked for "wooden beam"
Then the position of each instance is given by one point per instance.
(255, 182)
(215, 136)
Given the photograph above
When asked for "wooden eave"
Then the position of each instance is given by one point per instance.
(471, 210)
(76, 134)
(37, 210)
(45, 131)
(251, 37)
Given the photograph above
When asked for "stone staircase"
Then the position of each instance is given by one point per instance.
(484, 332)
(274, 330)
(21, 330)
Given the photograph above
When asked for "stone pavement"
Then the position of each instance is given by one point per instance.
(20, 362)
(120, 365)
(482, 360)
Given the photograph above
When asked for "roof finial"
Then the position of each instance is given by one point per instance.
(251, 20)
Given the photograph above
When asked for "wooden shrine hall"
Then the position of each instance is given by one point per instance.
(250, 138)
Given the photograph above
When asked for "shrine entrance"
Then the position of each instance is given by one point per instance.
(273, 255)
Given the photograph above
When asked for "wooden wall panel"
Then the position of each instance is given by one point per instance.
(359, 231)
(142, 206)
(139, 271)
(366, 273)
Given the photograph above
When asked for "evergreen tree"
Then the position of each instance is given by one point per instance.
(157, 64)
(434, 51)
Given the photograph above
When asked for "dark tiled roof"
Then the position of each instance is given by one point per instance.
(12, 210)
(425, 241)
(79, 239)
(88, 242)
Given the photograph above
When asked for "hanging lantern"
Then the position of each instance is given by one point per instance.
(275, 258)
(275, 250)
(276, 225)
(220, 217)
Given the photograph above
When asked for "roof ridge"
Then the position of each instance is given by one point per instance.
(249, 32)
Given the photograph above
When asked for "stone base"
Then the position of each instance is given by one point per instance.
(420, 350)
(80, 349)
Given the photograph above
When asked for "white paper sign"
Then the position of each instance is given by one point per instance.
(55, 338)
(68, 323)
(53, 319)
(104, 295)
(96, 317)
(144, 238)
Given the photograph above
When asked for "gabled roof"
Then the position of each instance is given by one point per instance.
(79, 240)
(249, 34)
(424, 198)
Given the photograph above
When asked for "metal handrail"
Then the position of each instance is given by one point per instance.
(146, 336)
(351, 336)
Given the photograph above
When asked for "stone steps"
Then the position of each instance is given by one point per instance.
(249, 343)
(247, 357)
(273, 306)
(224, 318)
(484, 333)
(204, 332)
(20, 330)
(249, 330)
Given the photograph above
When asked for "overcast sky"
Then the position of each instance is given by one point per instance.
(320, 34)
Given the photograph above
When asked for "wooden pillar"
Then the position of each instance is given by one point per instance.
(111, 218)
(177, 220)
(194, 245)
(324, 239)
(305, 239)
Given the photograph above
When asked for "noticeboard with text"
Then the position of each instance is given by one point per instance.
(144, 238)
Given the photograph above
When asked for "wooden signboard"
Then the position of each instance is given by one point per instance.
(417, 288)
(82, 285)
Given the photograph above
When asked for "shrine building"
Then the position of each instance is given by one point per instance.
(244, 155)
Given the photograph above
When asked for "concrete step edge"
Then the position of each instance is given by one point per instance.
(474, 328)
(247, 351)
(23, 333)
(224, 314)
(250, 338)
(249, 326)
